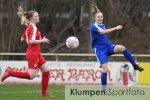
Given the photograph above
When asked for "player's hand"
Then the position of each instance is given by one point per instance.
(45, 40)
(22, 39)
(119, 27)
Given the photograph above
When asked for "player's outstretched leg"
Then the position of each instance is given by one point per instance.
(131, 60)
(8, 72)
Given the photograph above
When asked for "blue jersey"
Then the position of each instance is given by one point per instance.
(97, 37)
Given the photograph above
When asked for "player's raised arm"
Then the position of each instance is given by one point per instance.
(110, 29)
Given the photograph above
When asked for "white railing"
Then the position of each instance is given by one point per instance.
(73, 54)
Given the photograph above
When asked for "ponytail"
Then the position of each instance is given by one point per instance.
(23, 15)
(94, 8)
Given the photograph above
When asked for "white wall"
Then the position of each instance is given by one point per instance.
(63, 72)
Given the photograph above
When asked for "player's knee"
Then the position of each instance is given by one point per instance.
(33, 73)
(122, 48)
(104, 68)
(32, 76)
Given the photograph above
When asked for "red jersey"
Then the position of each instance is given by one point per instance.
(32, 33)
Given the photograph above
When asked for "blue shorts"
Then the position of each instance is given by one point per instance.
(103, 51)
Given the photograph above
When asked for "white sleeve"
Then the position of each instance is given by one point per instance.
(34, 32)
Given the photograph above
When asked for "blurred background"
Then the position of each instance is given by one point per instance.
(60, 19)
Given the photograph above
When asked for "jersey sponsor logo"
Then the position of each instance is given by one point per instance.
(35, 65)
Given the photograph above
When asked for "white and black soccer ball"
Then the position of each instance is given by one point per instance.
(72, 42)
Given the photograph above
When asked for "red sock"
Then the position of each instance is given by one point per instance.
(18, 74)
(45, 81)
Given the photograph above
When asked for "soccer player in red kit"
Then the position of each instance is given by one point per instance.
(33, 55)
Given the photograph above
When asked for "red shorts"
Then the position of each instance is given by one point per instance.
(34, 62)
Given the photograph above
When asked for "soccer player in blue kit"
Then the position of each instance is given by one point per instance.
(103, 47)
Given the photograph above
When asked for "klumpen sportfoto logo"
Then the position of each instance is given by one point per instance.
(95, 92)
(109, 92)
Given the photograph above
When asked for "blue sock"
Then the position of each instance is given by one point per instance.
(128, 56)
(104, 81)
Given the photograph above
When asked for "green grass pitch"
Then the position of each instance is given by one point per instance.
(32, 92)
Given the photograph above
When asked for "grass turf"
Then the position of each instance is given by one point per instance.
(30, 92)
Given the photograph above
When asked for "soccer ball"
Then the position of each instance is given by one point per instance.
(72, 42)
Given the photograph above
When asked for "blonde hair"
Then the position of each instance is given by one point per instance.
(24, 16)
(94, 8)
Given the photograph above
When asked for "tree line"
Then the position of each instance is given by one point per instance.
(60, 19)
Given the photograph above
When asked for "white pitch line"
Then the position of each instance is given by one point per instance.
(26, 92)
(20, 92)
